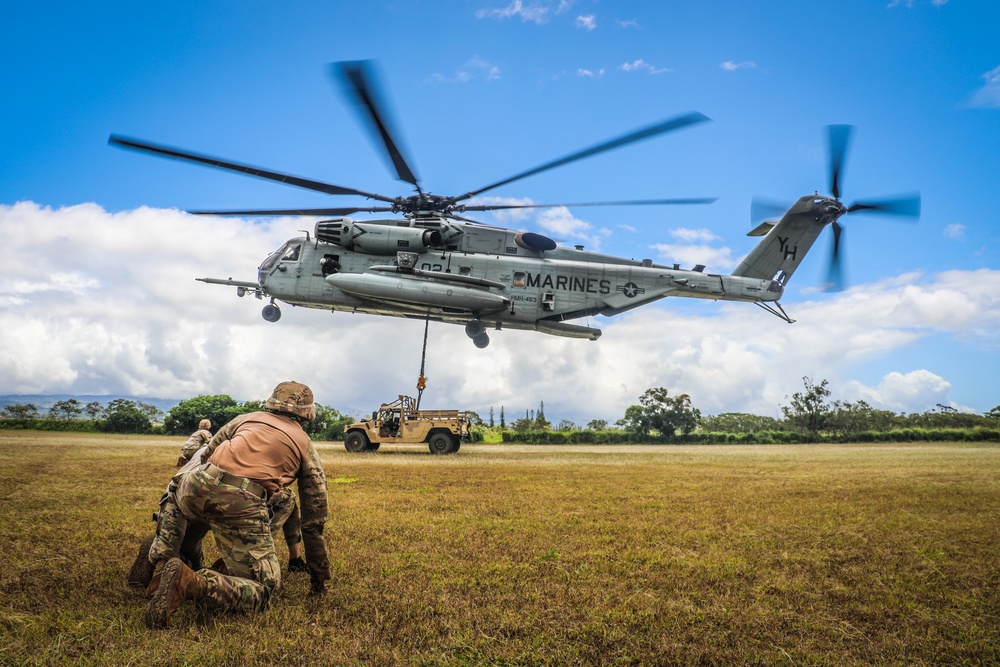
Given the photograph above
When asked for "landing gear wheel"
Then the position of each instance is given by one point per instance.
(356, 442)
(474, 329)
(482, 340)
(440, 443)
(271, 313)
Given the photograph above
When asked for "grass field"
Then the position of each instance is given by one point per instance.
(640, 555)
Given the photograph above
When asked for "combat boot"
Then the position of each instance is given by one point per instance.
(178, 583)
(154, 581)
(142, 570)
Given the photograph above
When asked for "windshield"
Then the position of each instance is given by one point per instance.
(286, 253)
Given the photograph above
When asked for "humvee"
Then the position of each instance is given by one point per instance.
(401, 422)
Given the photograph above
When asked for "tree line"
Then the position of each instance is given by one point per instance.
(809, 416)
(123, 415)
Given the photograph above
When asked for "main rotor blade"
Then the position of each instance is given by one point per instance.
(301, 211)
(839, 139)
(908, 206)
(360, 82)
(765, 209)
(636, 202)
(165, 151)
(645, 133)
(834, 276)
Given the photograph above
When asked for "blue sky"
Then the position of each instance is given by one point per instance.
(100, 295)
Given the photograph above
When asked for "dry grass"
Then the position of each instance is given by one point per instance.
(817, 555)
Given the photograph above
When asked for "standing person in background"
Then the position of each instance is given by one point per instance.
(250, 459)
(196, 441)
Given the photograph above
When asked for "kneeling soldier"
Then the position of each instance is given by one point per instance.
(250, 459)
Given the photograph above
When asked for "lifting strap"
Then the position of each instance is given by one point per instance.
(422, 381)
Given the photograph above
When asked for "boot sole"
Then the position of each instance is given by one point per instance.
(158, 611)
(142, 570)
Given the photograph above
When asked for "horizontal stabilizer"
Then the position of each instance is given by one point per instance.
(762, 229)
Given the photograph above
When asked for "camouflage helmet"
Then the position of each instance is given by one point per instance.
(205, 424)
(293, 397)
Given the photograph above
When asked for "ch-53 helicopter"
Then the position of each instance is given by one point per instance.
(434, 263)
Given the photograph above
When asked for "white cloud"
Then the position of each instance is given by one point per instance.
(473, 69)
(732, 66)
(956, 231)
(693, 249)
(689, 235)
(107, 304)
(592, 74)
(588, 22)
(909, 3)
(562, 223)
(505, 215)
(989, 95)
(688, 255)
(916, 391)
(627, 23)
(533, 12)
(641, 65)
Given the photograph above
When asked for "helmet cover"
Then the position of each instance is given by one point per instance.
(293, 397)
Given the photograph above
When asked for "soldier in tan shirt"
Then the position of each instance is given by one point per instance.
(250, 459)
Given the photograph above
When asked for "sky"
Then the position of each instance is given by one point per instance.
(99, 257)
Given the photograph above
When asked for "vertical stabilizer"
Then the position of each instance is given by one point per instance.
(784, 247)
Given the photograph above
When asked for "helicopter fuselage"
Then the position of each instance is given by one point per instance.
(478, 274)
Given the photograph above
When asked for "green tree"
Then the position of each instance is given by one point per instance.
(993, 414)
(597, 424)
(93, 410)
(809, 412)
(124, 416)
(491, 416)
(153, 413)
(329, 424)
(503, 423)
(20, 411)
(738, 422)
(660, 412)
(68, 409)
(566, 425)
(183, 418)
(945, 416)
(541, 423)
(524, 424)
(474, 418)
(860, 417)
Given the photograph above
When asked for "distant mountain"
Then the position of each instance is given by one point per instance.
(45, 401)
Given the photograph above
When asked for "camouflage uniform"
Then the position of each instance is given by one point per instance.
(237, 508)
(189, 535)
(196, 441)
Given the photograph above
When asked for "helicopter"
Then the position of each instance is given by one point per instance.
(434, 263)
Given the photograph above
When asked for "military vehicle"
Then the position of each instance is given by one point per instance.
(401, 422)
(435, 263)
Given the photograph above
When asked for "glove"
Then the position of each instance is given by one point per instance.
(297, 565)
(181, 461)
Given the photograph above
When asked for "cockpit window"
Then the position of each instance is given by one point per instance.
(286, 253)
(269, 263)
(291, 253)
